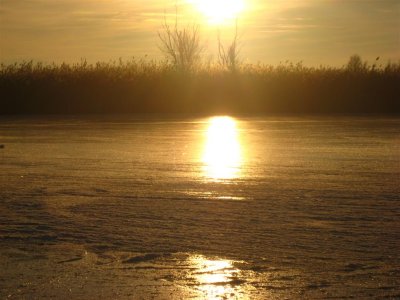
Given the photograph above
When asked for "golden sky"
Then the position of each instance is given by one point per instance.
(313, 31)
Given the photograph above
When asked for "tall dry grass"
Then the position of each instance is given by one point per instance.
(139, 86)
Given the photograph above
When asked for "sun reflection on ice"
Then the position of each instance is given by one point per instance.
(222, 153)
(217, 279)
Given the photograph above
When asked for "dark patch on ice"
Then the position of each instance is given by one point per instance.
(47, 238)
(12, 238)
(386, 288)
(39, 256)
(316, 286)
(69, 192)
(354, 267)
(100, 190)
(69, 260)
(101, 247)
(261, 269)
(143, 258)
(23, 255)
(257, 268)
(236, 281)
(43, 227)
(286, 278)
(274, 287)
(25, 205)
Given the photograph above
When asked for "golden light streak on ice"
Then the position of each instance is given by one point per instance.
(217, 278)
(222, 157)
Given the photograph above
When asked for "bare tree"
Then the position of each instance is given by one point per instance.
(181, 45)
(229, 57)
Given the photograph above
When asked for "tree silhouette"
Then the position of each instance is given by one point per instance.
(181, 45)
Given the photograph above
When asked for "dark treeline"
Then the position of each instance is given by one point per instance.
(147, 87)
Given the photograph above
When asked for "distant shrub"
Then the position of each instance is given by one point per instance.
(356, 64)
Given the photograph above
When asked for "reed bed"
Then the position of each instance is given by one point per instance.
(139, 86)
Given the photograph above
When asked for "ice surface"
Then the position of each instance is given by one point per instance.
(124, 208)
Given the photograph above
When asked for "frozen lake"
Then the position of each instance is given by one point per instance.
(199, 208)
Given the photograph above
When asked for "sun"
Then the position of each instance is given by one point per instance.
(219, 11)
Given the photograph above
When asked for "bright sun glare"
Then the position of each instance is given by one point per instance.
(219, 11)
(222, 154)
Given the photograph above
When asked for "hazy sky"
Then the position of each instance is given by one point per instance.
(313, 31)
